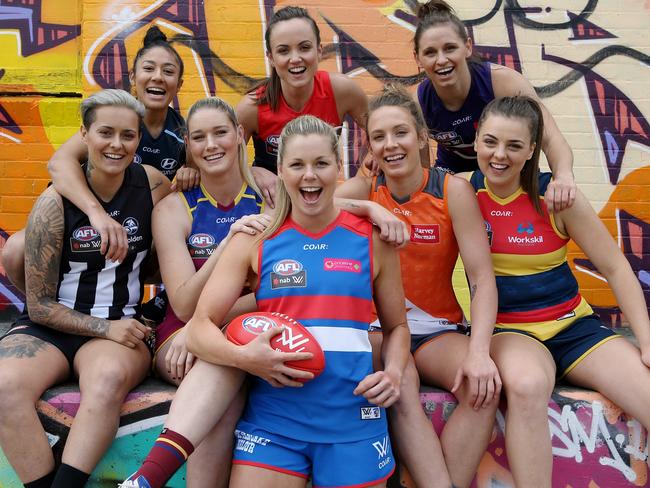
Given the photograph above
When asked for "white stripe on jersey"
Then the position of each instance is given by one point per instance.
(170, 133)
(341, 339)
(104, 290)
(134, 286)
(70, 284)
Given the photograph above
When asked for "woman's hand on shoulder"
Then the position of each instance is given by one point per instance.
(114, 245)
(267, 183)
(250, 224)
(561, 192)
(186, 178)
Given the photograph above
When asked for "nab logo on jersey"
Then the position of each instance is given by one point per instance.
(287, 267)
(201, 240)
(85, 233)
(258, 324)
(168, 163)
(131, 225)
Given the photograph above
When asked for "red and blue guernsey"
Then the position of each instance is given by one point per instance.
(455, 131)
(537, 290)
(324, 281)
(210, 225)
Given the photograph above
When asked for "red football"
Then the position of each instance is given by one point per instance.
(295, 337)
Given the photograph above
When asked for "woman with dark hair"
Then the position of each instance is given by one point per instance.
(458, 86)
(296, 86)
(83, 307)
(545, 329)
(443, 221)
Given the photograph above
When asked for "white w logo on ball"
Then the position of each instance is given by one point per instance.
(291, 340)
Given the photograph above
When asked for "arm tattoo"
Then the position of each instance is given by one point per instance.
(89, 169)
(472, 292)
(43, 248)
(350, 205)
(156, 184)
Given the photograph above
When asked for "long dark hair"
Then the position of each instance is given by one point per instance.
(156, 38)
(272, 85)
(437, 12)
(526, 108)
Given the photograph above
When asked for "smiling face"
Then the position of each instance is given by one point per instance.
(503, 145)
(156, 77)
(112, 138)
(394, 141)
(294, 51)
(309, 170)
(213, 141)
(443, 55)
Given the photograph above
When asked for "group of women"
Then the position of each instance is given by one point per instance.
(218, 240)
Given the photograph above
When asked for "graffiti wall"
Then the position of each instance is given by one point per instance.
(588, 59)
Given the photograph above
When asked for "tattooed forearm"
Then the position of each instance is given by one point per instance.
(472, 292)
(21, 346)
(43, 247)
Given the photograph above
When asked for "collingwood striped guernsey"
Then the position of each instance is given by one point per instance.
(90, 284)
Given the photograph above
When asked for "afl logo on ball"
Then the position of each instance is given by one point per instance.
(258, 324)
(131, 225)
(85, 233)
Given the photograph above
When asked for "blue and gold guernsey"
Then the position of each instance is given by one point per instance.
(538, 293)
(325, 282)
(210, 225)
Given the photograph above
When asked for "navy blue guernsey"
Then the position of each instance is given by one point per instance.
(454, 132)
(166, 152)
(90, 284)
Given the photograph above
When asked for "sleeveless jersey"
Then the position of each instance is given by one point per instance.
(454, 132)
(324, 281)
(537, 290)
(428, 260)
(166, 152)
(87, 282)
(210, 225)
(322, 104)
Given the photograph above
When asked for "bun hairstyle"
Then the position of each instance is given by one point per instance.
(272, 86)
(528, 109)
(395, 95)
(433, 13)
(154, 37)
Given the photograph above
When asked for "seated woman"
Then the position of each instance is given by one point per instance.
(190, 230)
(335, 307)
(545, 328)
(82, 307)
(443, 218)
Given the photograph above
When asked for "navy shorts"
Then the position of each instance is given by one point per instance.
(68, 344)
(420, 340)
(345, 464)
(573, 344)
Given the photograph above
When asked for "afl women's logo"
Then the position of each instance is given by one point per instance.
(201, 240)
(287, 267)
(85, 233)
(131, 225)
(258, 324)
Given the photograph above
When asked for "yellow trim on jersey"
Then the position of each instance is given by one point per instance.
(190, 210)
(550, 328)
(498, 199)
(586, 353)
(527, 264)
(209, 198)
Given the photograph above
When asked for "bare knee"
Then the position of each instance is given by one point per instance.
(15, 395)
(528, 392)
(107, 385)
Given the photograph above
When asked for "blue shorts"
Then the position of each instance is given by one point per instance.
(573, 344)
(358, 464)
(418, 341)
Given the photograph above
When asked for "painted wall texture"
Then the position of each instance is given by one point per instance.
(588, 59)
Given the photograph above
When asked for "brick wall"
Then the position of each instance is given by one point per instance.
(591, 68)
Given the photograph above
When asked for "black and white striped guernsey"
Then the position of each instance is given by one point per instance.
(88, 282)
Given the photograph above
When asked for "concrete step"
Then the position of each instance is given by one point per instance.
(595, 444)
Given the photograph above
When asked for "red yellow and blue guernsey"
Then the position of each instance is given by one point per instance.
(538, 293)
(431, 304)
(210, 225)
(324, 281)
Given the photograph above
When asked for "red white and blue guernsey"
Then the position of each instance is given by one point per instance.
(324, 281)
(455, 131)
(210, 225)
(538, 293)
